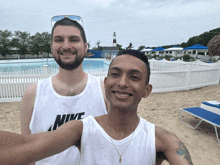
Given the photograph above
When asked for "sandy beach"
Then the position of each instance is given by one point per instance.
(161, 109)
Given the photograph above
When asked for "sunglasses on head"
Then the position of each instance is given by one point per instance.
(77, 18)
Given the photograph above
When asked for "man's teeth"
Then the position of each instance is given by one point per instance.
(67, 54)
(122, 94)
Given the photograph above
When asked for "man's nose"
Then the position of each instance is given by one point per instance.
(66, 45)
(123, 81)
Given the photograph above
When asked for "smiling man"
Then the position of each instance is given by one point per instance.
(120, 137)
(71, 94)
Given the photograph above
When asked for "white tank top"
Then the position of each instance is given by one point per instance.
(51, 110)
(97, 147)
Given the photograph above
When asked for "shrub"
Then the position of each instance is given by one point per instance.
(155, 56)
(167, 57)
(192, 59)
(176, 58)
(186, 57)
(214, 60)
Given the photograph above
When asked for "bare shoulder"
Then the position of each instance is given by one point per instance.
(29, 95)
(173, 148)
(30, 91)
(27, 105)
(164, 138)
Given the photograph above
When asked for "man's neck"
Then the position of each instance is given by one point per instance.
(123, 123)
(71, 77)
(70, 83)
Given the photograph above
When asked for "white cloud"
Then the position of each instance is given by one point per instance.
(133, 1)
(101, 3)
(150, 23)
(181, 10)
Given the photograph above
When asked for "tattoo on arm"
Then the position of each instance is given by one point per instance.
(182, 151)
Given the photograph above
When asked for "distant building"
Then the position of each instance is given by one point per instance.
(109, 50)
(114, 39)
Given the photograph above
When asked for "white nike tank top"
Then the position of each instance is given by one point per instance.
(52, 110)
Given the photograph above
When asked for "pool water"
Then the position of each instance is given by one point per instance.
(23, 65)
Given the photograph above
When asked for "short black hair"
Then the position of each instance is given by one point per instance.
(69, 22)
(139, 55)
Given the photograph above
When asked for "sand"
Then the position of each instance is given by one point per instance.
(161, 109)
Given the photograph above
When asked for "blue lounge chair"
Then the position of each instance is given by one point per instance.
(204, 115)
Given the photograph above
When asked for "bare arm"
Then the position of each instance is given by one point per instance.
(172, 147)
(24, 149)
(179, 154)
(27, 105)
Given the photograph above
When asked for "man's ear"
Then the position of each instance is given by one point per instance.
(105, 82)
(148, 89)
(85, 46)
(51, 47)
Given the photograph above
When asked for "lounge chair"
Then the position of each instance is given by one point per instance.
(204, 115)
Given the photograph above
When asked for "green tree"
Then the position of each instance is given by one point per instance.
(184, 44)
(14, 42)
(141, 47)
(5, 42)
(46, 42)
(191, 42)
(36, 43)
(130, 46)
(23, 43)
(88, 45)
(98, 43)
(119, 47)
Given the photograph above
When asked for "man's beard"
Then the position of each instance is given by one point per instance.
(71, 65)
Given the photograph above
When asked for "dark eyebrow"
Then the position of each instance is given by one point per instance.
(74, 36)
(135, 71)
(57, 37)
(115, 68)
(132, 70)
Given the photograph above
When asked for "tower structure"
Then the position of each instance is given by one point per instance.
(114, 39)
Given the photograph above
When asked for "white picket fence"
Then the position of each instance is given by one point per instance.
(165, 76)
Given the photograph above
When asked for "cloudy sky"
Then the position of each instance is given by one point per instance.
(142, 22)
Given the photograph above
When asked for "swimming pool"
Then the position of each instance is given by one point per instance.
(29, 64)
